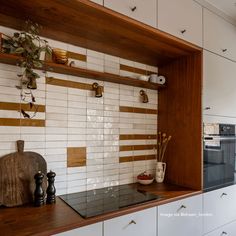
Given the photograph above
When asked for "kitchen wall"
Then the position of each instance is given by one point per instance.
(89, 142)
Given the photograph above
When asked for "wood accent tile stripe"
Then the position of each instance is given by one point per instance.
(17, 106)
(136, 158)
(137, 147)
(76, 56)
(135, 70)
(22, 122)
(137, 136)
(76, 156)
(137, 110)
(126, 159)
(68, 84)
(72, 55)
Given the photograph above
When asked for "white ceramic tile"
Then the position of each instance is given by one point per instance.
(77, 49)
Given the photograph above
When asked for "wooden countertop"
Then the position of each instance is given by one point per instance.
(52, 219)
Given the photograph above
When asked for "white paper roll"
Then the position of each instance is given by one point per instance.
(161, 79)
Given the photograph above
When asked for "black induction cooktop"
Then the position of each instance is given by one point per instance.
(96, 202)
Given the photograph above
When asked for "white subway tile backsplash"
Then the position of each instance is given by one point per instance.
(76, 118)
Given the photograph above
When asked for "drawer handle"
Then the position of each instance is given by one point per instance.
(223, 194)
(183, 31)
(132, 222)
(133, 8)
(182, 207)
(224, 233)
(224, 50)
(207, 108)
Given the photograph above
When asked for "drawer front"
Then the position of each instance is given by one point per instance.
(181, 218)
(90, 230)
(139, 224)
(182, 19)
(226, 230)
(144, 11)
(219, 208)
(219, 35)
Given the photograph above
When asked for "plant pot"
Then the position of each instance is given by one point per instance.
(160, 171)
(32, 83)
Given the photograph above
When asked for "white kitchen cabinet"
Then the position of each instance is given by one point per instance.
(219, 35)
(226, 230)
(90, 230)
(219, 83)
(219, 208)
(181, 218)
(182, 19)
(144, 11)
(136, 224)
(97, 1)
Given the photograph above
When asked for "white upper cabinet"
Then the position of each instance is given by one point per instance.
(219, 83)
(181, 218)
(219, 208)
(219, 35)
(136, 224)
(181, 18)
(144, 11)
(90, 230)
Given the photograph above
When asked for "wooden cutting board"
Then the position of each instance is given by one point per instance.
(17, 172)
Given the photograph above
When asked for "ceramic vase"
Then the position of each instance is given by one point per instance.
(160, 172)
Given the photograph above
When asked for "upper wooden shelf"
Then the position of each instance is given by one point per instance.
(86, 24)
(67, 70)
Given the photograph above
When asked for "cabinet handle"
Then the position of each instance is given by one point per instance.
(183, 31)
(223, 194)
(133, 8)
(182, 207)
(132, 222)
(207, 108)
(224, 50)
(224, 233)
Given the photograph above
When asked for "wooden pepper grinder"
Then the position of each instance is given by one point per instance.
(38, 193)
(51, 190)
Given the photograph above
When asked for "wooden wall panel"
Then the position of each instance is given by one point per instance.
(180, 116)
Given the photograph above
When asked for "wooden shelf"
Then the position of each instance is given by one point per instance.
(67, 70)
(92, 26)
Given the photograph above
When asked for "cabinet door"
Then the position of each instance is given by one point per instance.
(144, 11)
(219, 35)
(219, 208)
(219, 83)
(97, 1)
(138, 224)
(181, 218)
(226, 230)
(90, 230)
(182, 19)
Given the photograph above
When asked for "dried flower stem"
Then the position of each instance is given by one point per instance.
(163, 141)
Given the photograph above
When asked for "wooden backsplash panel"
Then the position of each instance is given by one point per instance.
(76, 156)
(180, 112)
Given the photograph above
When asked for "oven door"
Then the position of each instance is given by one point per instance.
(219, 161)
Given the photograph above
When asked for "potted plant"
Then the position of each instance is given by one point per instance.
(29, 46)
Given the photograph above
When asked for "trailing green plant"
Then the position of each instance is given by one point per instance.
(29, 46)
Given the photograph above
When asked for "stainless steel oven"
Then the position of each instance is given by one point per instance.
(219, 155)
